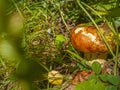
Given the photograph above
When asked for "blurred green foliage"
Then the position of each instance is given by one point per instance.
(30, 31)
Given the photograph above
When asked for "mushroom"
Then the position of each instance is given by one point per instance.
(86, 39)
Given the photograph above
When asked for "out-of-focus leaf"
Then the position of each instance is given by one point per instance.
(115, 12)
(15, 24)
(119, 36)
(96, 67)
(29, 69)
(8, 51)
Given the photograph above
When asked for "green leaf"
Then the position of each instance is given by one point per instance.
(93, 76)
(59, 40)
(115, 12)
(104, 77)
(111, 87)
(115, 80)
(90, 85)
(96, 67)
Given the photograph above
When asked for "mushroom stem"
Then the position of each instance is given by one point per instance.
(91, 56)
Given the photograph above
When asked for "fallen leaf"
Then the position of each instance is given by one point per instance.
(54, 77)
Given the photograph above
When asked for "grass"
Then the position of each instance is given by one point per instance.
(43, 22)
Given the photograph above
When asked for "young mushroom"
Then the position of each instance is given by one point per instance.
(86, 39)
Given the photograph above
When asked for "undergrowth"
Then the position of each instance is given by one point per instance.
(44, 44)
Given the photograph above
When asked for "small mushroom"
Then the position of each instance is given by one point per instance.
(86, 39)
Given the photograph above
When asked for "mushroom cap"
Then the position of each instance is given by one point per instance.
(87, 39)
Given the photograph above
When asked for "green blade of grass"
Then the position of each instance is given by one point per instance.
(17, 8)
(91, 9)
(2, 62)
(75, 55)
(117, 49)
(62, 17)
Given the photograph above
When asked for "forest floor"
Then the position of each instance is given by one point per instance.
(36, 52)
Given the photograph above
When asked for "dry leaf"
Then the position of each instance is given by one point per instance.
(54, 77)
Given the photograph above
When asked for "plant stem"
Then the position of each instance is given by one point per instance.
(17, 8)
(111, 28)
(75, 55)
(83, 61)
(91, 9)
(63, 18)
(117, 48)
